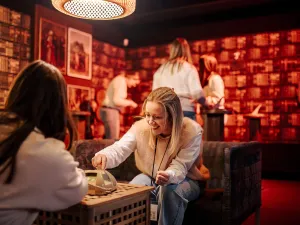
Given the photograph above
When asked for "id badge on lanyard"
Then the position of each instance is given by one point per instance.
(153, 212)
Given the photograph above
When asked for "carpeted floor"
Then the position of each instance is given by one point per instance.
(280, 203)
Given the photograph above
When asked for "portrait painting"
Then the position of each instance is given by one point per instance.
(52, 44)
(79, 54)
(78, 95)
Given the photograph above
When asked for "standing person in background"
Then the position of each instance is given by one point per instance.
(180, 74)
(115, 100)
(36, 172)
(212, 82)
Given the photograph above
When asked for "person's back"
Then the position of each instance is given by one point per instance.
(36, 172)
(46, 179)
(115, 100)
(112, 91)
(184, 81)
(212, 82)
(180, 74)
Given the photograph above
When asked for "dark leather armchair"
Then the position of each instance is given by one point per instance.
(231, 195)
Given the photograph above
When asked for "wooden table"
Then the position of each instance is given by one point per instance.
(129, 204)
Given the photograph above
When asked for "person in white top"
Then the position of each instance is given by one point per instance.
(167, 151)
(36, 172)
(180, 74)
(212, 82)
(115, 100)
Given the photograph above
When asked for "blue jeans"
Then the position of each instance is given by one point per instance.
(189, 114)
(172, 199)
(111, 121)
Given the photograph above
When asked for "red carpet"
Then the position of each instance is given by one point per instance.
(280, 203)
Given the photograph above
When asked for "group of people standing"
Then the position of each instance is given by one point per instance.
(37, 173)
(178, 73)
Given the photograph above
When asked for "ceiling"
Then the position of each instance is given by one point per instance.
(159, 21)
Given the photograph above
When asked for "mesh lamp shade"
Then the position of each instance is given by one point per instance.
(96, 9)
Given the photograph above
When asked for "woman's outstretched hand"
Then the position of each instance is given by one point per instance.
(99, 161)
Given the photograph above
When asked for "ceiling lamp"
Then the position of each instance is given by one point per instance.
(96, 9)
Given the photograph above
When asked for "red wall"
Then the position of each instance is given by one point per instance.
(266, 72)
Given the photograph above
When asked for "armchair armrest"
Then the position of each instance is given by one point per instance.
(242, 180)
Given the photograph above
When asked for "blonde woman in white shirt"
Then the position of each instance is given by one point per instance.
(36, 171)
(180, 74)
(212, 82)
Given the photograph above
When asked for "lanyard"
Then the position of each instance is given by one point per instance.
(155, 156)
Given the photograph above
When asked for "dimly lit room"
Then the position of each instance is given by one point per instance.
(149, 112)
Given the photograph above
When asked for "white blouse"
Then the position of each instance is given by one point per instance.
(214, 91)
(186, 83)
(47, 178)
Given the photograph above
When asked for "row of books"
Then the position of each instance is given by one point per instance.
(270, 120)
(270, 105)
(14, 50)
(239, 43)
(14, 34)
(14, 18)
(11, 65)
(268, 134)
(107, 61)
(108, 50)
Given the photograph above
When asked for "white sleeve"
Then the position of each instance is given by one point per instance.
(217, 89)
(120, 92)
(120, 150)
(180, 166)
(55, 180)
(195, 88)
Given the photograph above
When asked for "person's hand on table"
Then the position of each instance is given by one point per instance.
(99, 161)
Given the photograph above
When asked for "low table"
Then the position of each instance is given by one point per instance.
(129, 204)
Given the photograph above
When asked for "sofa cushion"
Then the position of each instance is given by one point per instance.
(214, 159)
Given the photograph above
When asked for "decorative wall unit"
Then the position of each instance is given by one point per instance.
(257, 69)
(14, 47)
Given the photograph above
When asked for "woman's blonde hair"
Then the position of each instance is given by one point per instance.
(208, 64)
(180, 52)
(173, 113)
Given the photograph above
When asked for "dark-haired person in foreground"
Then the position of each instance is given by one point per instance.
(36, 172)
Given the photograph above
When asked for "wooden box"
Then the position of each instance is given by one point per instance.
(129, 204)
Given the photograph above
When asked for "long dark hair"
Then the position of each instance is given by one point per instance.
(38, 98)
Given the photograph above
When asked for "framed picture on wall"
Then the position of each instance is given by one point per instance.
(79, 54)
(52, 44)
(77, 95)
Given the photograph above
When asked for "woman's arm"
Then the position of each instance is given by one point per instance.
(184, 160)
(120, 150)
(194, 85)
